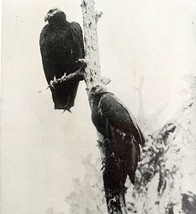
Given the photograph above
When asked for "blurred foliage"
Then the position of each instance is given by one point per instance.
(165, 169)
(158, 177)
(189, 203)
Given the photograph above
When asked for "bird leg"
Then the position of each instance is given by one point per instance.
(79, 73)
(53, 82)
(81, 64)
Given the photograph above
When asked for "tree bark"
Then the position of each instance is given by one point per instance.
(115, 199)
(92, 72)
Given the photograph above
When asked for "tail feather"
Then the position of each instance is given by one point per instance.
(64, 96)
(133, 159)
(132, 178)
(139, 136)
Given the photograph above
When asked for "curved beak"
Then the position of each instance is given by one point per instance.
(46, 17)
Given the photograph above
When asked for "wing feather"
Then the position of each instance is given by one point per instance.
(120, 128)
(49, 68)
(119, 117)
(78, 39)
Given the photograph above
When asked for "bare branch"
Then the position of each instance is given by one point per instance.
(77, 74)
(98, 15)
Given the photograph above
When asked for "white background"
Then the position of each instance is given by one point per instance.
(41, 149)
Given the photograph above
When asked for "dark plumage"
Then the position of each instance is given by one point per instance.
(61, 45)
(120, 132)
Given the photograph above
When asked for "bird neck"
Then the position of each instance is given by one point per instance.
(58, 23)
(97, 98)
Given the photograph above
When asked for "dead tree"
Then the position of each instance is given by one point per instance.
(114, 190)
(115, 200)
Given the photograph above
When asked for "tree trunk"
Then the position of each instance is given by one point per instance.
(114, 199)
(92, 72)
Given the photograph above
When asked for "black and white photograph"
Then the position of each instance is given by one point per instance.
(98, 107)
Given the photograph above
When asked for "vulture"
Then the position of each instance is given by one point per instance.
(120, 133)
(61, 46)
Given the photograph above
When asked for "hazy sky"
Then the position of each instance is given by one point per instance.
(41, 148)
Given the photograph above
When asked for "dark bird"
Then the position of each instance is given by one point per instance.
(61, 46)
(121, 136)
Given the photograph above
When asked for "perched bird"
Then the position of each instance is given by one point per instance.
(61, 46)
(120, 133)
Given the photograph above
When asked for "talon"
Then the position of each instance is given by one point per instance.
(63, 77)
(51, 84)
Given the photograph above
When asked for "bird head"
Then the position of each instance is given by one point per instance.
(55, 15)
(95, 91)
(98, 89)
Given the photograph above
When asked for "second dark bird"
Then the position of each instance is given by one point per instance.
(121, 137)
(61, 45)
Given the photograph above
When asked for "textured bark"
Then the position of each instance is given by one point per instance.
(114, 199)
(93, 72)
